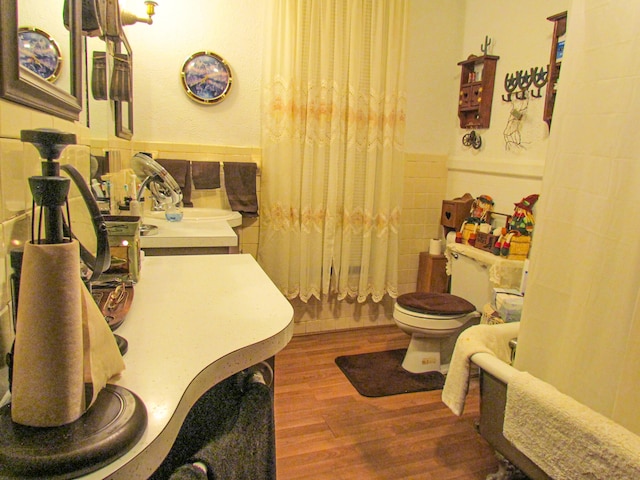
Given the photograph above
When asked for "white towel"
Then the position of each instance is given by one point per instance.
(565, 438)
(493, 339)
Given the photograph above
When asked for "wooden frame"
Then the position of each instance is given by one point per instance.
(124, 110)
(21, 86)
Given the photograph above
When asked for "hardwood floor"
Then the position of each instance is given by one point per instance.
(326, 430)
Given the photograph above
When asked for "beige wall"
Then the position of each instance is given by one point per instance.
(505, 174)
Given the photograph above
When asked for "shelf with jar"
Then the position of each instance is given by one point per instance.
(477, 79)
(555, 63)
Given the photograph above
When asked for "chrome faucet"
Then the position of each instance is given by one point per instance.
(163, 187)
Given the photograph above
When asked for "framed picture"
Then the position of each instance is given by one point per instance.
(39, 53)
(206, 78)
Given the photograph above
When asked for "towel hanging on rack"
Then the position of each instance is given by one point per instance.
(180, 170)
(206, 175)
(240, 184)
(247, 450)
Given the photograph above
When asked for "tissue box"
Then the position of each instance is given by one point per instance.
(508, 304)
(455, 211)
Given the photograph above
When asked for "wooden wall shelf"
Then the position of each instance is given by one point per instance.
(477, 79)
(555, 62)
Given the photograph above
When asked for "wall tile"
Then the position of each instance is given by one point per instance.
(12, 179)
(13, 118)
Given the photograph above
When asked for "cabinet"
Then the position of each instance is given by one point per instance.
(555, 62)
(477, 79)
(455, 212)
(432, 274)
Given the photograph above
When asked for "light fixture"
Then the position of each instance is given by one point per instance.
(129, 18)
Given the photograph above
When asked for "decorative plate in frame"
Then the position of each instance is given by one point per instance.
(39, 53)
(206, 77)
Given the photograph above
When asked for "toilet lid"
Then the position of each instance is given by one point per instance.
(435, 303)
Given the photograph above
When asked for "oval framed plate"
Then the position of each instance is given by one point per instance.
(39, 53)
(206, 77)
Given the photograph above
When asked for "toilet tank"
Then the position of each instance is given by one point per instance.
(470, 280)
(475, 273)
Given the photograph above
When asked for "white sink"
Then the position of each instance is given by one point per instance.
(197, 214)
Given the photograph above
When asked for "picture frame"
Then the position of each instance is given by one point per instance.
(206, 77)
(39, 53)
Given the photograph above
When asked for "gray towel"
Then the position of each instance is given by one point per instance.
(213, 414)
(206, 175)
(240, 183)
(244, 452)
(180, 170)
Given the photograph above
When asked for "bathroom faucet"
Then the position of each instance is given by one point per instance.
(163, 187)
(157, 206)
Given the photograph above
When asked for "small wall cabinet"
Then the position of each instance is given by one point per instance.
(476, 91)
(432, 274)
(555, 62)
(454, 212)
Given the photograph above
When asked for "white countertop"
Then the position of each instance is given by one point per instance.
(201, 233)
(194, 321)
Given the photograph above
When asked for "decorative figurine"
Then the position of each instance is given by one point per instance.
(515, 241)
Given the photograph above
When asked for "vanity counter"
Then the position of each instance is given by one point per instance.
(188, 237)
(194, 321)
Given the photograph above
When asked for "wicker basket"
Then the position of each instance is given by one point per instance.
(519, 247)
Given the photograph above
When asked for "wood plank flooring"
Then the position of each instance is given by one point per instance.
(326, 430)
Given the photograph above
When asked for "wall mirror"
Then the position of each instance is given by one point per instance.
(106, 113)
(119, 45)
(124, 109)
(17, 84)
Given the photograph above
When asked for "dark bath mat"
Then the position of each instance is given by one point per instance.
(380, 374)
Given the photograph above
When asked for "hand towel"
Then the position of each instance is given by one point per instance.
(180, 170)
(206, 175)
(493, 339)
(247, 450)
(565, 438)
(63, 342)
(240, 184)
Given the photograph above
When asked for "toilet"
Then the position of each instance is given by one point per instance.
(435, 320)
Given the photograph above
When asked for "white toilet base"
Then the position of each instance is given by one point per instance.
(423, 355)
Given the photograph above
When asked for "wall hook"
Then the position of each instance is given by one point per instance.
(524, 80)
(485, 47)
(540, 76)
(510, 82)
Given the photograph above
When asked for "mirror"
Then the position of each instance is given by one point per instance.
(164, 189)
(106, 113)
(124, 109)
(22, 86)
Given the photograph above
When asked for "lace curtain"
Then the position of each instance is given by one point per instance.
(332, 142)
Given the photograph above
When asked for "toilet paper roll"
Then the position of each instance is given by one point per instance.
(60, 343)
(435, 247)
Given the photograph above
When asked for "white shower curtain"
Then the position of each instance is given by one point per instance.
(332, 143)
(581, 321)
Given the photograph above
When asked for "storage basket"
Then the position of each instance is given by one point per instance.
(519, 247)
